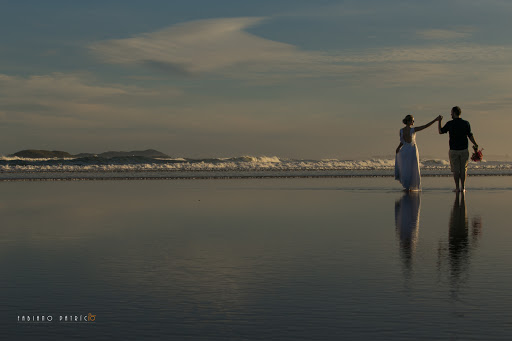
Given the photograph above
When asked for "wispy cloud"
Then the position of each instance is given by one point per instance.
(441, 34)
(219, 46)
(60, 99)
(418, 54)
(59, 87)
(58, 84)
(224, 47)
(195, 47)
(500, 105)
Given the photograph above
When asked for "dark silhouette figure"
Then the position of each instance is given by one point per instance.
(459, 131)
(458, 241)
(461, 241)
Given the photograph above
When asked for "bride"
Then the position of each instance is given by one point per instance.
(407, 160)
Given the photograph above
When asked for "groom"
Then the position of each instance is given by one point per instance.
(460, 131)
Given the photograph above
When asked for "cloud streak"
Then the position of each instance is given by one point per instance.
(62, 87)
(223, 47)
(440, 34)
(195, 47)
(75, 100)
(58, 84)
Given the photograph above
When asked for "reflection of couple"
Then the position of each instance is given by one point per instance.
(407, 163)
(407, 222)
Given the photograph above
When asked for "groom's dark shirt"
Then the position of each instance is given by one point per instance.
(459, 131)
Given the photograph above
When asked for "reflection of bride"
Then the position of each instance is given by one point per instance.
(407, 221)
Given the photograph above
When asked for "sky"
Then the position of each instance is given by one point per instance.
(287, 78)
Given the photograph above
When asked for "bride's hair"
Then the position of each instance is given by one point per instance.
(407, 119)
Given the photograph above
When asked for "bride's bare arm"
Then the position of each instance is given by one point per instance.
(420, 128)
(399, 146)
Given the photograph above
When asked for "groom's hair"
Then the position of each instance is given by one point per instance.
(456, 111)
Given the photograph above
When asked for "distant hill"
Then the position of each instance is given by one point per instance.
(35, 154)
(146, 153)
(41, 154)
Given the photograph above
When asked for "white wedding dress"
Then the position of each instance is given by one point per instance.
(407, 163)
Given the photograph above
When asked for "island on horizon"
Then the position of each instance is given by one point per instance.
(49, 154)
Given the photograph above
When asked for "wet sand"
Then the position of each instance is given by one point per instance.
(259, 259)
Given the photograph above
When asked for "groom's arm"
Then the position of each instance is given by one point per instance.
(472, 139)
(439, 126)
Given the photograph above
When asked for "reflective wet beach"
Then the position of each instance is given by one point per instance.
(257, 259)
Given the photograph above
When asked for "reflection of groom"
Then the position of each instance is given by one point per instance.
(461, 241)
(458, 240)
(460, 131)
(459, 229)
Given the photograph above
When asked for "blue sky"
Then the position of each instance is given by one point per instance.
(301, 79)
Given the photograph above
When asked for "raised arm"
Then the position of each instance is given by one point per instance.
(420, 128)
(439, 125)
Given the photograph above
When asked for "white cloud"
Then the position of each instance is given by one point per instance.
(223, 47)
(220, 46)
(195, 47)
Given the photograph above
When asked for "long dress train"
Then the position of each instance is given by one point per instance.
(407, 163)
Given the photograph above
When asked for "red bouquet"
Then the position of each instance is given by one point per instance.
(477, 154)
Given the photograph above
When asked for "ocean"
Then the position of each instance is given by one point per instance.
(277, 258)
(139, 167)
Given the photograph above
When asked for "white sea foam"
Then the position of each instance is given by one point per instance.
(235, 164)
(16, 158)
(435, 162)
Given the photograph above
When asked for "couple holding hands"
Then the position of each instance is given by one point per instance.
(407, 162)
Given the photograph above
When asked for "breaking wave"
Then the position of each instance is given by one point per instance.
(237, 165)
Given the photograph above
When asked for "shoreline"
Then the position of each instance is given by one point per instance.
(230, 177)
